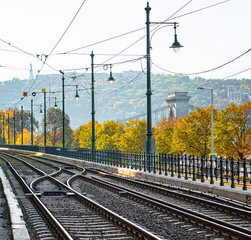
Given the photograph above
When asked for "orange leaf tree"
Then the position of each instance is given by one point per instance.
(233, 131)
(192, 134)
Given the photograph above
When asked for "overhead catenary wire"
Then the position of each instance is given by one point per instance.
(205, 71)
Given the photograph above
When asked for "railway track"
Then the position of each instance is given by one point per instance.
(61, 208)
(173, 212)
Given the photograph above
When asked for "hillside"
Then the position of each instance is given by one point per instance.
(124, 98)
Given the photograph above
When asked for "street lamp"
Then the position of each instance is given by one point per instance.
(212, 119)
(31, 122)
(176, 46)
(22, 126)
(110, 79)
(14, 127)
(8, 128)
(63, 103)
(44, 92)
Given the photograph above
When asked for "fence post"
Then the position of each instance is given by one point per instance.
(238, 171)
(194, 177)
(179, 176)
(172, 174)
(216, 169)
(189, 165)
(154, 162)
(202, 169)
(227, 169)
(186, 177)
(221, 172)
(232, 173)
(160, 163)
(140, 162)
(165, 165)
(244, 175)
(144, 161)
(149, 161)
(211, 171)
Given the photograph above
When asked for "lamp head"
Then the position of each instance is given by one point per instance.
(176, 45)
(76, 95)
(111, 79)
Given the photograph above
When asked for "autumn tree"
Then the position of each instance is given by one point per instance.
(108, 135)
(132, 140)
(233, 131)
(193, 133)
(164, 135)
(83, 135)
(54, 128)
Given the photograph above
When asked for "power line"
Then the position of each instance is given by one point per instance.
(206, 71)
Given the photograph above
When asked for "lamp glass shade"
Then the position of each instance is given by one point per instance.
(176, 45)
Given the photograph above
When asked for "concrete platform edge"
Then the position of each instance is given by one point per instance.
(18, 226)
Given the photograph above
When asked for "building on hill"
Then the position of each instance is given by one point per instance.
(178, 104)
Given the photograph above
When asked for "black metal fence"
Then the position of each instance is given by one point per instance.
(224, 171)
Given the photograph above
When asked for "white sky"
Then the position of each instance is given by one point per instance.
(210, 37)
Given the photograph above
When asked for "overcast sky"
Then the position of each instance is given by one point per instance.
(211, 37)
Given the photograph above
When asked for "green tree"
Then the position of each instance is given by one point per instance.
(54, 128)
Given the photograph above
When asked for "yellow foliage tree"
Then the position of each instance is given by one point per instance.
(108, 135)
(132, 140)
(233, 131)
(192, 134)
(164, 135)
(82, 135)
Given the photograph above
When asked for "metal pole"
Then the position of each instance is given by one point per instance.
(45, 118)
(3, 130)
(22, 126)
(31, 122)
(149, 133)
(63, 110)
(8, 128)
(212, 121)
(93, 103)
(14, 127)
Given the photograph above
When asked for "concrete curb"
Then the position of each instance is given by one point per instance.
(18, 226)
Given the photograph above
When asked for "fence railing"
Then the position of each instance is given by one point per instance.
(224, 171)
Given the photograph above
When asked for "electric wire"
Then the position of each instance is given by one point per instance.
(205, 71)
(46, 56)
(201, 9)
(132, 80)
(67, 27)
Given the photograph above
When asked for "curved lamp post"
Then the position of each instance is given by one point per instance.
(149, 147)
(110, 79)
(63, 103)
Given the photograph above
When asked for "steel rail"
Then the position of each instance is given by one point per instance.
(59, 230)
(198, 217)
(131, 227)
(183, 195)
